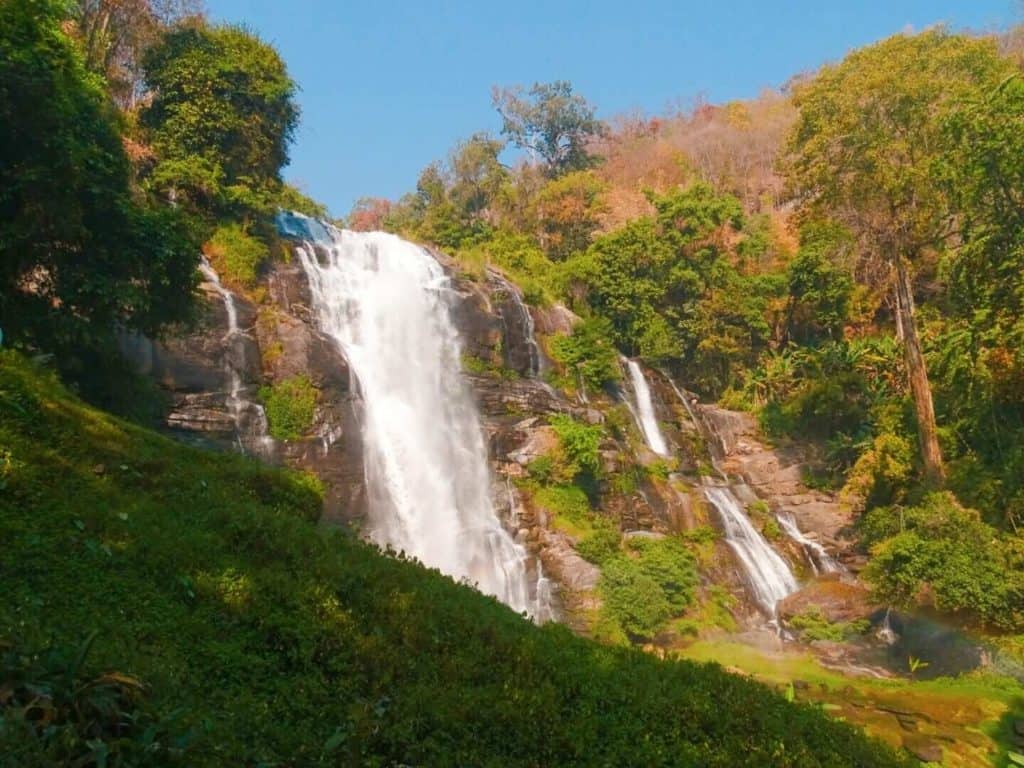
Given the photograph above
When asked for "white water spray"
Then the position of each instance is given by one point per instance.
(250, 419)
(387, 304)
(820, 560)
(645, 410)
(767, 574)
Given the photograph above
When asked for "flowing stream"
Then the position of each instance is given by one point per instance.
(249, 417)
(387, 304)
(768, 576)
(767, 573)
(644, 412)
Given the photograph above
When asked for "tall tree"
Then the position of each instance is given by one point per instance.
(550, 122)
(865, 149)
(222, 118)
(80, 251)
(116, 33)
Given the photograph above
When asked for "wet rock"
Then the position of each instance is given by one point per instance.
(837, 601)
(775, 474)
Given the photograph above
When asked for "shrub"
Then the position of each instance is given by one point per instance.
(581, 444)
(236, 255)
(589, 353)
(646, 586)
(290, 405)
(601, 545)
(943, 554)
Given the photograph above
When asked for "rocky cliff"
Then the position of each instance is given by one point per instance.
(506, 365)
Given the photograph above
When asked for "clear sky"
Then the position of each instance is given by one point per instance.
(388, 87)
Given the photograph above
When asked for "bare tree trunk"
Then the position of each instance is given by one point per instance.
(917, 372)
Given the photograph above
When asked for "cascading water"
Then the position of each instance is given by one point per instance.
(767, 574)
(387, 304)
(250, 419)
(820, 560)
(524, 320)
(644, 412)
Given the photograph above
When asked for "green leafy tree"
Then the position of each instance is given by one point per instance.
(221, 120)
(551, 123)
(80, 252)
(864, 152)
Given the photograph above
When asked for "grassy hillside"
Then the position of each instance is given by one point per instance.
(244, 635)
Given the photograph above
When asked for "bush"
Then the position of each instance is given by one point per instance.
(646, 586)
(290, 405)
(568, 501)
(943, 554)
(236, 255)
(588, 354)
(601, 545)
(580, 443)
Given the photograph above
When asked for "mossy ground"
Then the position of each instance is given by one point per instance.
(281, 643)
(970, 716)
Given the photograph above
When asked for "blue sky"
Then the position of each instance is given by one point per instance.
(387, 87)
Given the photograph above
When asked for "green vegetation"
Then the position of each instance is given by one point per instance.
(259, 637)
(644, 586)
(966, 566)
(580, 446)
(81, 251)
(290, 405)
(588, 354)
(812, 625)
(236, 256)
(221, 119)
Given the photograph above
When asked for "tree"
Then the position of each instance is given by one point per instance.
(864, 153)
(80, 251)
(222, 118)
(551, 123)
(567, 211)
(476, 174)
(116, 33)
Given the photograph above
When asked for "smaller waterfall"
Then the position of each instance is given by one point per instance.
(524, 320)
(249, 417)
(820, 560)
(644, 412)
(767, 574)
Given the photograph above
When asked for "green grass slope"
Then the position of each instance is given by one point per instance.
(244, 635)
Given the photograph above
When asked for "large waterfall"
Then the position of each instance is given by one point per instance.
(387, 303)
(644, 412)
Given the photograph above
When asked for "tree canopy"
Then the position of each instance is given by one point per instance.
(80, 251)
(550, 122)
(221, 120)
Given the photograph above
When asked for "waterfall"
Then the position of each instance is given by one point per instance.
(767, 574)
(644, 412)
(387, 304)
(249, 417)
(526, 328)
(820, 560)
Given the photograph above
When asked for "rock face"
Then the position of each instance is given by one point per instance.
(643, 494)
(277, 340)
(775, 475)
(837, 601)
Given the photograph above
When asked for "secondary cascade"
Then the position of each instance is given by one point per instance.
(249, 417)
(387, 303)
(644, 412)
